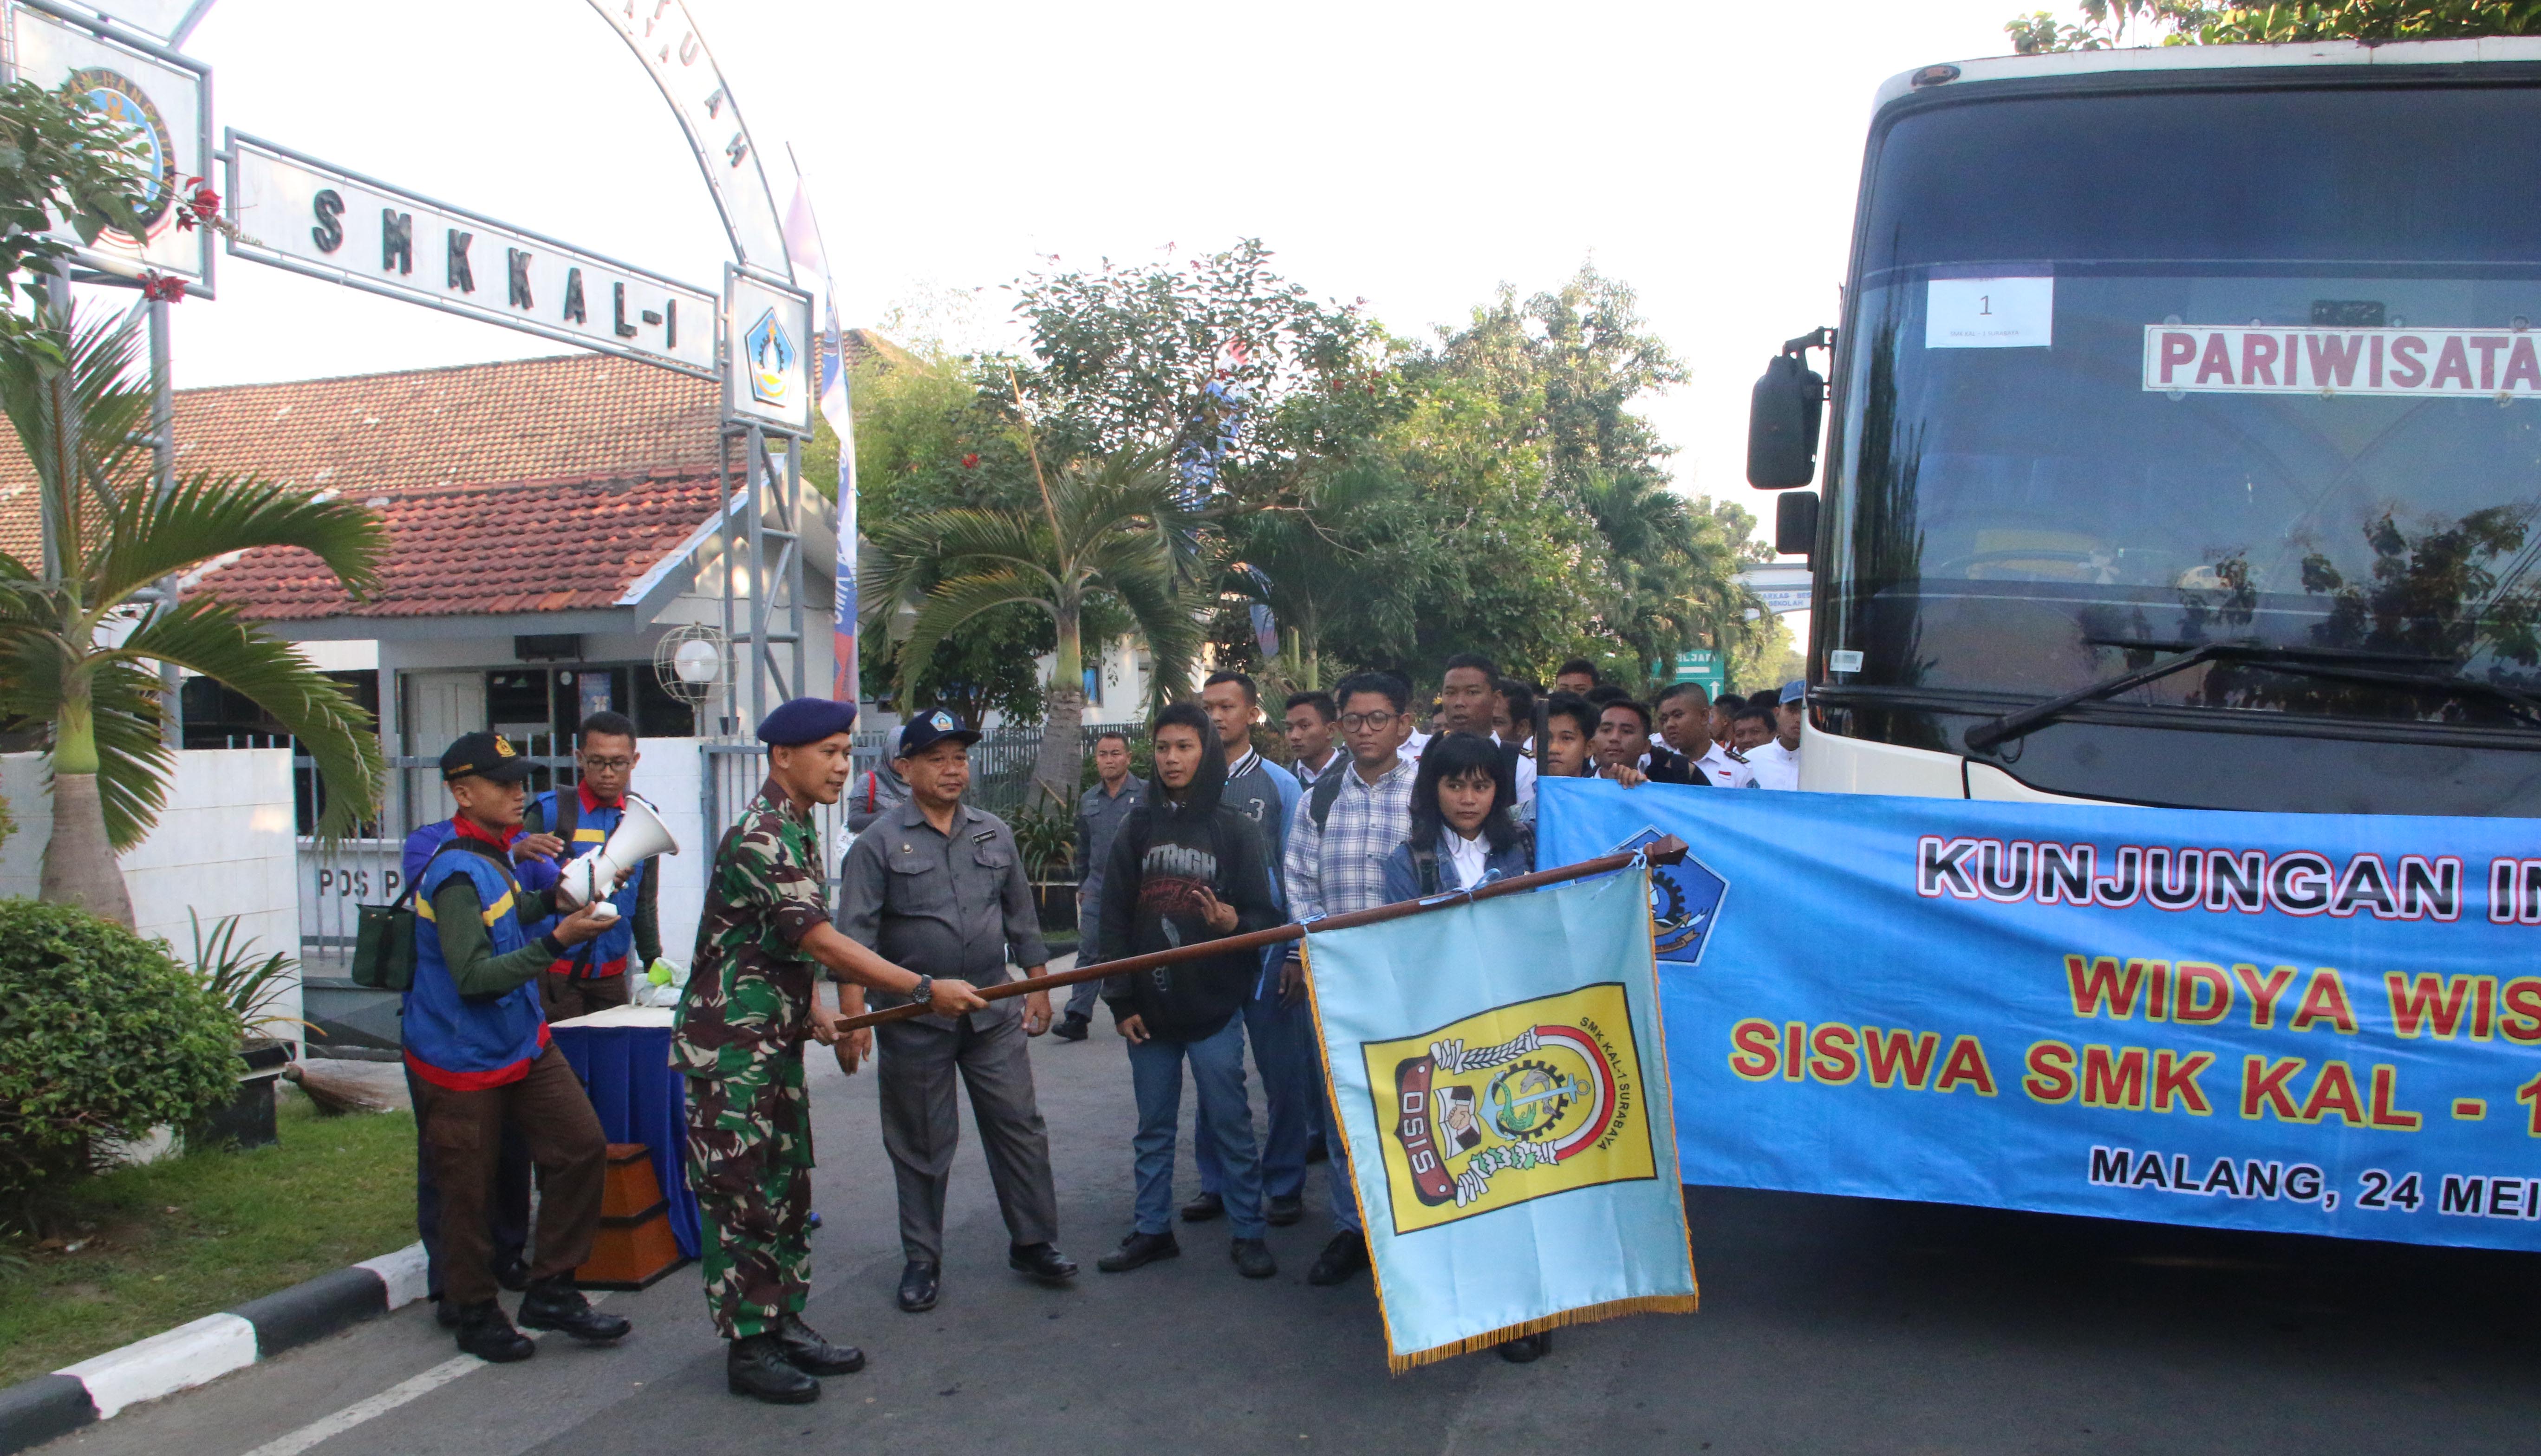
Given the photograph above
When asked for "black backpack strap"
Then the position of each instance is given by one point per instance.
(1425, 868)
(568, 816)
(1327, 789)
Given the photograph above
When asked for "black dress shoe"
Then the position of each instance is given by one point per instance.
(1285, 1212)
(555, 1304)
(811, 1355)
(1206, 1206)
(486, 1335)
(1316, 1153)
(1041, 1262)
(443, 1313)
(1345, 1255)
(1253, 1258)
(1070, 1028)
(1526, 1349)
(512, 1274)
(757, 1366)
(1138, 1249)
(918, 1286)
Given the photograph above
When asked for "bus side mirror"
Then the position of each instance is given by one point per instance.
(1782, 418)
(1795, 523)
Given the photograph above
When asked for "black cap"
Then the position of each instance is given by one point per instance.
(485, 756)
(801, 720)
(930, 728)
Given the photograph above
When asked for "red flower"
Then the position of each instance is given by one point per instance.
(970, 461)
(160, 288)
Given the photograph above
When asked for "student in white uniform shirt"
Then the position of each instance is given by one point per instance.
(1751, 741)
(1776, 764)
(1685, 725)
(1468, 699)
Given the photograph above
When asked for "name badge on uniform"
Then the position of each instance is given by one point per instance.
(984, 836)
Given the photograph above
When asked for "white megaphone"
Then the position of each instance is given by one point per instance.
(640, 834)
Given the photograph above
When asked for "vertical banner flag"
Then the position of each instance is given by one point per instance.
(803, 245)
(1497, 1073)
(2301, 1023)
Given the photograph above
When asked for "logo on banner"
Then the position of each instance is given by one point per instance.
(125, 103)
(1520, 1101)
(1685, 901)
(771, 361)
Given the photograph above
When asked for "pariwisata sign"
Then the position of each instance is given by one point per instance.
(2493, 363)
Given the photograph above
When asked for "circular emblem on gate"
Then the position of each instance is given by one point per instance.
(1529, 1100)
(123, 101)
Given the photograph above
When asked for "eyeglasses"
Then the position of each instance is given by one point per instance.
(1355, 722)
(607, 765)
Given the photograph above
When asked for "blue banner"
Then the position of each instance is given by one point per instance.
(2318, 1024)
(1504, 1114)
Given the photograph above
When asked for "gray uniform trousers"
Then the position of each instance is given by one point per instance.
(921, 1125)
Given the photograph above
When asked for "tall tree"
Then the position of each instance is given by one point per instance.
(1105, 526)
(79, 635)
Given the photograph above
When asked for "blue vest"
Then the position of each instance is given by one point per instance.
(607, 953)
(467, 1044)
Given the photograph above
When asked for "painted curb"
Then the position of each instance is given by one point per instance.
(34, 1412)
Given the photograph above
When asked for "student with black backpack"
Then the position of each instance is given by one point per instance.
(1463, 834)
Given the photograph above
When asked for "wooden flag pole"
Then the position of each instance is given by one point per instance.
(1668, 850)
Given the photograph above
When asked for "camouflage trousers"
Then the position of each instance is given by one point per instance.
(750, 1164)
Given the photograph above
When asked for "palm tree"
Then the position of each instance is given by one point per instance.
(81, 630)
(1108, 527)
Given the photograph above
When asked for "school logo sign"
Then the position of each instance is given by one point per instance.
(1685, 901)
(771, 361)
(1521, 1102)
(153, 146)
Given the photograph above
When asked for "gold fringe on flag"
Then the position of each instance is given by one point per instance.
(1586, 1314)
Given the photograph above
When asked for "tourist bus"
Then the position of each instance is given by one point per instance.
(2184, 438)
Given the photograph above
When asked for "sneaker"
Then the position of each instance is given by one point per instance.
(1253, 1258)
(555, 1304)
(757, 1366)
(485, 1333)
(1285, 1212)
(1139, 1249)
(1070, 1028)
(1206, 1206)
(1345, 1255)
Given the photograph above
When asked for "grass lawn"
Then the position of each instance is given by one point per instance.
(192, 1235)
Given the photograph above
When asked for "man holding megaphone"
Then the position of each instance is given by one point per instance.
(579, 822)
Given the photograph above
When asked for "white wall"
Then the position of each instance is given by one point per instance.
(669, 776)
(224, 846)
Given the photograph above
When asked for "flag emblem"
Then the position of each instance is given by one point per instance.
(1525, 1101)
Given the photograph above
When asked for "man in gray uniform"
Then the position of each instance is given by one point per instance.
(1100, 814)
(937, 886)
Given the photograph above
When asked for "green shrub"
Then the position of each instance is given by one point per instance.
(102, 1035)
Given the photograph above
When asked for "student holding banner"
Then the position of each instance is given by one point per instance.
(1187, 867)
(1463, 835)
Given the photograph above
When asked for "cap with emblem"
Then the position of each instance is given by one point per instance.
(930, 728)
(803, 721)
(483, 756)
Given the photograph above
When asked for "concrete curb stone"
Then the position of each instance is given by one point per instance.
(36, 1410)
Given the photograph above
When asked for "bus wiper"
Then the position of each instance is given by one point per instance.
(2340, 663)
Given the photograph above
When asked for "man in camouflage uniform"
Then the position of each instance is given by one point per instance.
(751, 999)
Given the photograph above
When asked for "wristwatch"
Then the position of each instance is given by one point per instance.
(923, 992)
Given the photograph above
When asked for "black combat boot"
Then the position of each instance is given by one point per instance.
(485, 1333)
(813, 1355)
(555, 1304)
(756, 1366)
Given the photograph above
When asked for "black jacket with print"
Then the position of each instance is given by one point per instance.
(1150, 903)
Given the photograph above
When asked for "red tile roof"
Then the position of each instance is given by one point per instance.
(528, 546)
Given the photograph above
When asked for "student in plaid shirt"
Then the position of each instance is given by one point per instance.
(1335, 864)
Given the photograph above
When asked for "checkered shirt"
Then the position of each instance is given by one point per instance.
(1341, 867)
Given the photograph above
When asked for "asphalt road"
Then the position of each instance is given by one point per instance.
(1829, 1325)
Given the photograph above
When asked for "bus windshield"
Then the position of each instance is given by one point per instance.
(2132, 372)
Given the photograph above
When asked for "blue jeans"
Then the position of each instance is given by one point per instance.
(1344, 1193)
(1292, 1085)
(1217, 1073)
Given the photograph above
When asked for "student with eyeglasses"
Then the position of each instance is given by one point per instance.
(1335, 864)
(576, 821)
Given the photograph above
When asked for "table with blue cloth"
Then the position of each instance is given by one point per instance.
(623, 1056)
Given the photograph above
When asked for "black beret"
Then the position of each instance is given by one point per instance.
(806, 720)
